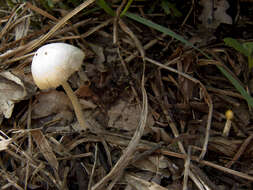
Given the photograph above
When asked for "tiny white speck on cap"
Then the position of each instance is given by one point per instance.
(54, 63)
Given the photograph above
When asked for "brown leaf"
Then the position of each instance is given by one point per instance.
(12, 90)
(185, 85)
(52, 102)
(146, 165)
(139, 183)
(99, 58)
(224, 146)
(4, 143)
(220, 13)
(84, 91)
(126, 116)
(22, 28)
(45, 148)
(214, 14)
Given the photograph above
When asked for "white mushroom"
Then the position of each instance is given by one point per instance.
(52, 65)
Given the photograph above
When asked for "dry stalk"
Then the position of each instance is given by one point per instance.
(10, 21)
(187, 168)
(175, 132)
(131, 148)
(115, 22)
(35, 43)
(207, 99)
(145, 145)
(93, 167)
(240, 151)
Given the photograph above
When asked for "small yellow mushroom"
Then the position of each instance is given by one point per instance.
(229, 116)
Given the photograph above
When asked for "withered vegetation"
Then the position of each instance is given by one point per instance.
(156, 107)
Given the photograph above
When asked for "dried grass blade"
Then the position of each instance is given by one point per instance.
(240, 151)
(40, 11)
(59, 25)
(93, 168)
(45, 148)
(187, 168)
(208, 100)
(10, 21)
(138, 44)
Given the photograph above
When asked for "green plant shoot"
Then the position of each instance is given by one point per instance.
(244, 48)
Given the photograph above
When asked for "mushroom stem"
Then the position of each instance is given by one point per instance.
(76, 105)
(227, 127)
(229, 115)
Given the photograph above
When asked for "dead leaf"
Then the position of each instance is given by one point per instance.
(45, 148)
(22, 28)
(243, 114)
(139, 183)
(4, 143)
(154, 164)
(12, 90)
(185, 85)
(99, 58)
(214, 13)
(126, 116)
(84, 91)
(224, 146)
(160, 161)
(161, 135)
(145, 164)
(53, 102)
(220, 14)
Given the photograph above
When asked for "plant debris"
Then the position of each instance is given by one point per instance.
(155, 102)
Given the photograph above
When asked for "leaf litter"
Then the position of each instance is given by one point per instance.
(156, 107)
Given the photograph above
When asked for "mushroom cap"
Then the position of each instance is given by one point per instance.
(229, 114)
(53, 64)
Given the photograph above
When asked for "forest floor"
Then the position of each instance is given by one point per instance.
(165, 88)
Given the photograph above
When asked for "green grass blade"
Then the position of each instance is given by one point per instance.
(167, 7)
(236, 45)
(249, 47)
(163, 30)
(237, 85)
(169, 32)
(157, 27)
(91, 10)
(106, 7)
(250, 61)
(126, 8)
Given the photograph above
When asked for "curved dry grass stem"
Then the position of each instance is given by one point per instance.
(207, 99)
(187, 168)
(126, 157)
(59, 25)
(93, 167)
(121, 140)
